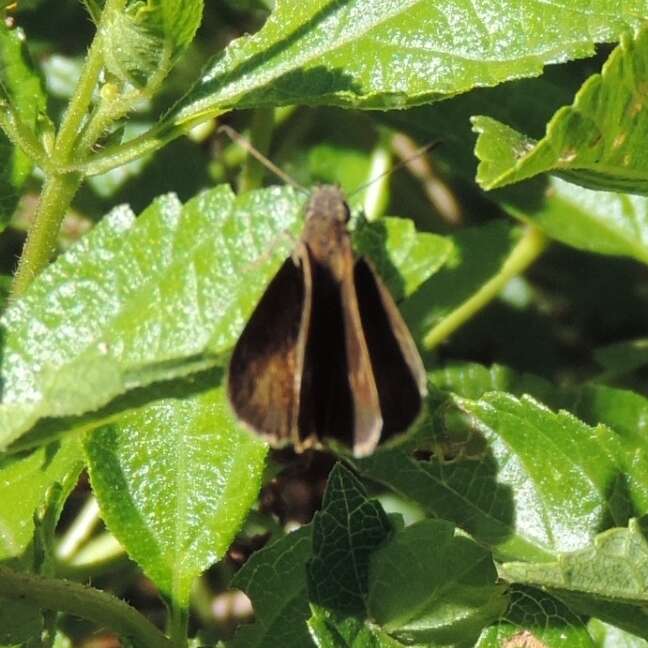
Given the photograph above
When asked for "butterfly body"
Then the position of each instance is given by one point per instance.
(326, 353)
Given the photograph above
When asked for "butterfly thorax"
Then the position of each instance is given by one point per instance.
(325, 234)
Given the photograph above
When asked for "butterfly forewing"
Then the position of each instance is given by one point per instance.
(397, 367)
(265, 366)
(367, 415)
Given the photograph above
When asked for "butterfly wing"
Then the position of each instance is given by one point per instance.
(396, 363)
(265, 368)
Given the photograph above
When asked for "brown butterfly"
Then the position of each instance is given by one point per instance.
(326, 354)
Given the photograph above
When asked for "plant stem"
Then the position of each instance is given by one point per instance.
(144, 144)
(260, 138)
(80, 102)
(527, 250)
(60, 187)
(82, 601)
(43, 233)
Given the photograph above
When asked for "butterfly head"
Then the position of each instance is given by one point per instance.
(329, 201)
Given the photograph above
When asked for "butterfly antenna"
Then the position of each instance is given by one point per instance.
(235, 136)
(418, 153)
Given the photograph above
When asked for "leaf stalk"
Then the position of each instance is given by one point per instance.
(528, 249)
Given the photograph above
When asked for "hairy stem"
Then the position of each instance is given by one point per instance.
(82, 601)
(57, 195)
(528, 249)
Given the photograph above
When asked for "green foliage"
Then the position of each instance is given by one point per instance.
(176, 286)
(551, 620)
(345, 532)
(513, 513)
(614, 568)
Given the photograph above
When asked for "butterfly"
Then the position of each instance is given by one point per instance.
(326, 353)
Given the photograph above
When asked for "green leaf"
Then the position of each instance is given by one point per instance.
(596, 142)
(605, 580)
(175, 480)
(275, 579)
(145, 40)
(345, 533)
(594, 221)
(26, 481)
(624, 411)
(524, 480)
(380, 54)
(34, 489)
(629, 618)
(613, 567)
(431, 585)
(149, 299)
(535, 618)
(21, 88)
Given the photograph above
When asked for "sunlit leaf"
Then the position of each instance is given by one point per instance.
(175, 480)
(381, 54)
(596, 142)
(24, 484)
(614, 567)
(146, 38)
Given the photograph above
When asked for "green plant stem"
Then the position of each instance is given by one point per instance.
(80, 102)
(60, 186)
(260, 137)
(43, 233)
(82, 601)
(144, 144)
(527, 250)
